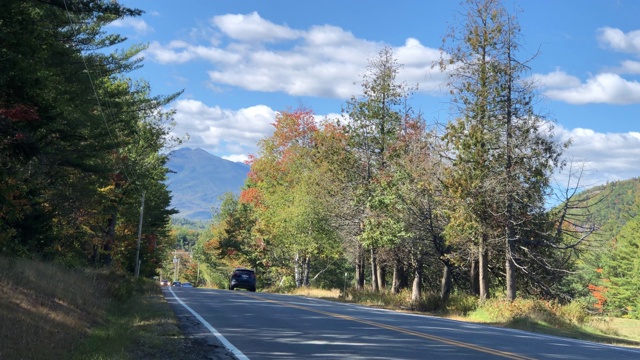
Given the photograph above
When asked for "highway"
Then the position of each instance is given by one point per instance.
(272, 326)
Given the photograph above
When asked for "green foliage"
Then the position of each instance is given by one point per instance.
(73, 172)
(461, 304)
(622, 269)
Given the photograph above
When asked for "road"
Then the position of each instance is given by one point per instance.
(272, 326)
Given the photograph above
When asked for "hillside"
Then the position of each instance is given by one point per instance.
(614, 204)
(199, 179)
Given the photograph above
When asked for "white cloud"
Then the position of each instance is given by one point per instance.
(139, 25)
(606, 156)
(556, 79)
(223, 131)
(322, 61)
(617, 40)
(629, 67)
(252, 28)
(237, 158)
(606, 88)
(172, 53)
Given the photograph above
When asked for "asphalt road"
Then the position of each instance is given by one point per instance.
(271, 326)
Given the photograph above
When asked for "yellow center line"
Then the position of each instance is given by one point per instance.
(401, 330)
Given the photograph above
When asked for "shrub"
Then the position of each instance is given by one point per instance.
(461, 304)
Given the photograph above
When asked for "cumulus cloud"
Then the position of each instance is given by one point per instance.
(222, 131)
(606, 88)
(629, 67)
(252, 28)
(556, 79)
(139, 25)
(258, 55)
(605, 156)
(617, 40)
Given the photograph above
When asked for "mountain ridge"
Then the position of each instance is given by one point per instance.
(197, 179)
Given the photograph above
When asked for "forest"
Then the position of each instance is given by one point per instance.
(81, 142)
(380, 199)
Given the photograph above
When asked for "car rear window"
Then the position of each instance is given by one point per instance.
(243, 272)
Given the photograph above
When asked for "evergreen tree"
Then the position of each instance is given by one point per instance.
(504, 151)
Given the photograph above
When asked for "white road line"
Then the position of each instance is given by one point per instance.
(237, 353)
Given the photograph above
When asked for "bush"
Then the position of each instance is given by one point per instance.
(461, 304)
(118, 285)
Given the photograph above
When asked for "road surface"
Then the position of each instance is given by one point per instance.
(260, 326)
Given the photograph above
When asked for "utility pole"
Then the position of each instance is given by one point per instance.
(139, 236)
(175, 269)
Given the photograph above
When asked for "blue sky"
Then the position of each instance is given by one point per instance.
(241, 61)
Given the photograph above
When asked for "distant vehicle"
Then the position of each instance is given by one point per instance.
(243, 279)
(164, 282)
(187, 285)
(176, 283)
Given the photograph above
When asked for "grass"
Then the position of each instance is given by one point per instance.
(45, 311)
(50, 312)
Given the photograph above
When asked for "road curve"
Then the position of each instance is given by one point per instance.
(273, 326)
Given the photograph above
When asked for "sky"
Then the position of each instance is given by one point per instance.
(240, 62)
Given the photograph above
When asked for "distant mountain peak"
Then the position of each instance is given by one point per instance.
(198, 180)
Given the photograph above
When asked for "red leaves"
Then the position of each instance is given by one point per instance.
(20, 112)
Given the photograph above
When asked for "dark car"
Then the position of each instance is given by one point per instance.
(176, 283)
(243, 279)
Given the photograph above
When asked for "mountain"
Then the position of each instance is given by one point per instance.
(199, 178)
(611, 205)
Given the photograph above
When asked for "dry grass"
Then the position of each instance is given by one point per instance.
(317, 293)
(41, 318)
(49, 312)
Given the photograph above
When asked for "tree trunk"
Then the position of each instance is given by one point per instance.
(107, 248)
(510, 268)
(404, 278)
(483, 264)
(374, 271)
(445, 284)
(417, 282)
(360, 269)
(382, 274)
(306, 270)
(297, 271)
(395, 284)
(474, 275)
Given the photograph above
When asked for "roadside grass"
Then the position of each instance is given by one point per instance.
(46, 310)
(329, 294)
(548, 317)
(51, 312)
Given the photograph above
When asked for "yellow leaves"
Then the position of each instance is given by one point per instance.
(107, 189)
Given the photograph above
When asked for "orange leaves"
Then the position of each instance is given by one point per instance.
(294, 128)
(251, 196)
(598, 293)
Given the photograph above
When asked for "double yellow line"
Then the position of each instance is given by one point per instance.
(483, 349)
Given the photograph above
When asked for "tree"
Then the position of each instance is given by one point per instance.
(375, 121)
(284, 177)
(504, 151)
(79, 140)
(622, 271)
